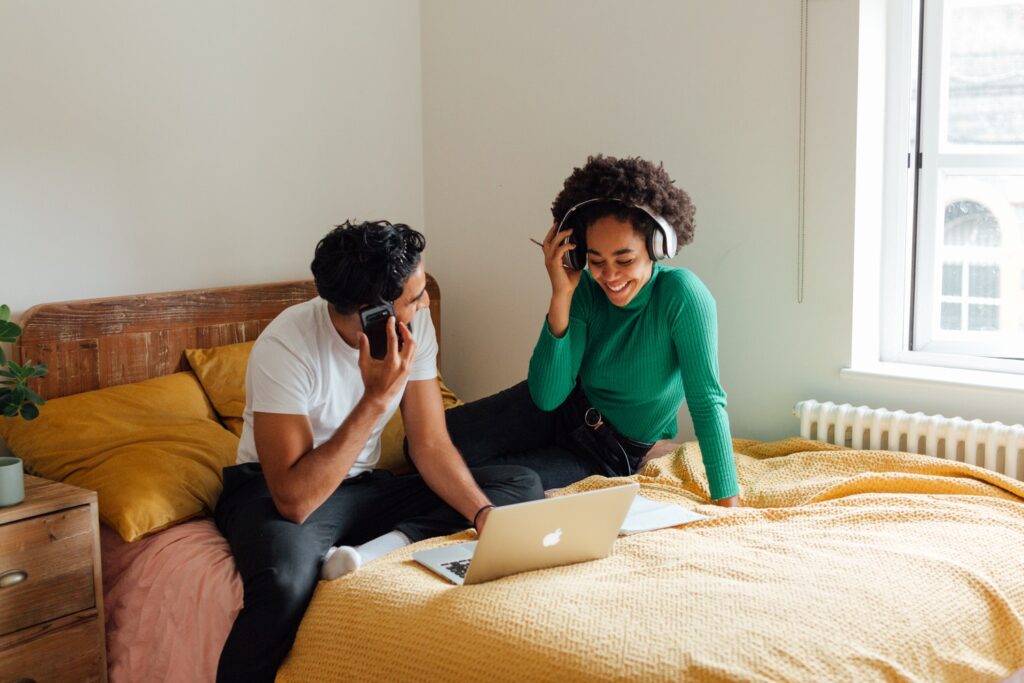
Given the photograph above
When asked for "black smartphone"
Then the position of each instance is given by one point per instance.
(375, 324)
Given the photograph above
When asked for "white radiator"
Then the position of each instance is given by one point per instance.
(991, 445)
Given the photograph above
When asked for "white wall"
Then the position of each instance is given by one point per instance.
(152, 146)
(518, 93)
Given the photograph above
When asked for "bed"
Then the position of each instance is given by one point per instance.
(846, 565)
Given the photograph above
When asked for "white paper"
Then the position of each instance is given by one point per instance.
(647, 515)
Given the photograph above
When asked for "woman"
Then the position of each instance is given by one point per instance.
(624, 342)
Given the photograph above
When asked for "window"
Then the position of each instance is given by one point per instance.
(958, 188)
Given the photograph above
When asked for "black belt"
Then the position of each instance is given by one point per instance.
(616, 454)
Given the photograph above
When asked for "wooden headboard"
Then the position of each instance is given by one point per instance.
(96, 343)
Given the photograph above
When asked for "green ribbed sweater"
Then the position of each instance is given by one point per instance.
(638, 362)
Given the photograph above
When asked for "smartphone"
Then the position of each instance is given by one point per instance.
(375, 324)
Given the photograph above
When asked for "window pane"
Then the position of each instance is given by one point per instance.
(979, 242)
(951, 316)
(982, 318)
(952, 279)
(969, 223)
(986, 73)
(984, 282)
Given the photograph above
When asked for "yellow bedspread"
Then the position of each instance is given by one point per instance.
(847, 566)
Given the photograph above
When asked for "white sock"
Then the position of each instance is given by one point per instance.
(339, 561)
(345, 559)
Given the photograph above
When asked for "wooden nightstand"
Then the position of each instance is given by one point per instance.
(51, 588)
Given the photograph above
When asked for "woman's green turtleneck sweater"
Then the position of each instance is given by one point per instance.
(638, 362)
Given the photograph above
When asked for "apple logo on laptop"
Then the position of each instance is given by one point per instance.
(553, 538)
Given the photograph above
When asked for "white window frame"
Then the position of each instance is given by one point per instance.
(896, 238)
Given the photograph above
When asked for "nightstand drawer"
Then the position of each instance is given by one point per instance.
(52, 556)
(62, 651)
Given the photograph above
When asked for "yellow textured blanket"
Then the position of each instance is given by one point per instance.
(848, 565)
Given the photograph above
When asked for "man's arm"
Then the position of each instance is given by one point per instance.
(300, 477)
(434, 454)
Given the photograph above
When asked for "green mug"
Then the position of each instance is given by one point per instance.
(12, 481)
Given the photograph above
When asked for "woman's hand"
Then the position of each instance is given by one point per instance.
(384, 379)
(731, 502)
(563, 278)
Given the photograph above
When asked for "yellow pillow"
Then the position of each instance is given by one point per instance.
(392, 455)
(221, 370)
(152, 450)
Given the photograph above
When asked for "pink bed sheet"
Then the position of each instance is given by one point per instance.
(170, 600)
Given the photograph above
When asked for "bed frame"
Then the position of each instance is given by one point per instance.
(96, 343)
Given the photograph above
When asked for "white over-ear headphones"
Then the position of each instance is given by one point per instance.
(661, 244)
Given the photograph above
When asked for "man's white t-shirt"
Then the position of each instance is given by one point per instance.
(300, 365)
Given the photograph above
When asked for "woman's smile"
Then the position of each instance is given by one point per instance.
(619, 293)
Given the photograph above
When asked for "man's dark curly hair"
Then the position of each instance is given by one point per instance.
(359, 264)
(633, 181)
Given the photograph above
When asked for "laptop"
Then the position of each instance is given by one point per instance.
(536, 535)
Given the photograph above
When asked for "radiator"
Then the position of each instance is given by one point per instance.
(991, 445)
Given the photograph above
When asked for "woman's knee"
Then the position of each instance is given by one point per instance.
(532, 485)
(519, 483)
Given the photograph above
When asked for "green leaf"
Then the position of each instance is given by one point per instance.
(27, 371)
(34, 397)
(29, 411)
(11, 409)
(5, 312)
(41, 370)
(3, 358)
(8, 373)
(15, 368)
(9, 332)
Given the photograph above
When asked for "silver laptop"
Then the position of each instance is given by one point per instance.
(535, 535)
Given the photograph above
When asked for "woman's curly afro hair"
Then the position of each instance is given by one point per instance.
(633, 181)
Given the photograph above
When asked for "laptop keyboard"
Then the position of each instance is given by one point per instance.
(458, 567)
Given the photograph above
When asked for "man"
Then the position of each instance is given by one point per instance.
(305, 490)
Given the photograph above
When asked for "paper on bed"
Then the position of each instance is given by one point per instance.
(647, 515)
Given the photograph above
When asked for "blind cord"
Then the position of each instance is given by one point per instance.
(801, 237)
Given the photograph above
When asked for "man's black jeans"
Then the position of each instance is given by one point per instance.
(279, 561)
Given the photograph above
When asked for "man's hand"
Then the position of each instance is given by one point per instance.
(384, 379)
(481, 518)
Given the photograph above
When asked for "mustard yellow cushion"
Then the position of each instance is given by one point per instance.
(152, 450)
(221, 370)
(392, 455)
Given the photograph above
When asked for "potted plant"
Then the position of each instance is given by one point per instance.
(16, 398)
